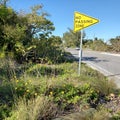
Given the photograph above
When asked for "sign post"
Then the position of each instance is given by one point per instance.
(82, 21)
(80, 52)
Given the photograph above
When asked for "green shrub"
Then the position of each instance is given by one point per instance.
(43, 70)
(6, 99)
(116, 117)
(26, 89)
(4, 111)
(68, 95)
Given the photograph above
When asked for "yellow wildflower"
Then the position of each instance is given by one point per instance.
(62, 92)
(77, 96)
(27, 90)
(17, 81)
(14, 77)
(26, 83)
(30, 81)
(51, 93)
(35, 94)
(91, 91)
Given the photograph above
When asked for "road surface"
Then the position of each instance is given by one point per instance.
(106, 63)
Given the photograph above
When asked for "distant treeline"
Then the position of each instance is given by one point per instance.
(72, 39)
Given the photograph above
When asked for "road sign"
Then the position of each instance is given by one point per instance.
(82, 21)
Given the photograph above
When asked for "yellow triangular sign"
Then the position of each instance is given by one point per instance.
(82, 21)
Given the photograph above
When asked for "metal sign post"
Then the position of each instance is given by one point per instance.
(80, 53)
(82, 21)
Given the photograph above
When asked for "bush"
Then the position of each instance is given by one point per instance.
(44, 70)
(68, 96)
(6, 99)
(4, 111)
(27, 89)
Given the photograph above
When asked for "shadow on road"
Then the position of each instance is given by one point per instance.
(75, 57)
(94, 59)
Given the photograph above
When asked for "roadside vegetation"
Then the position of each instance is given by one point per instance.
(113, 45)
(44, 92)
(39, 82)
(72, 39)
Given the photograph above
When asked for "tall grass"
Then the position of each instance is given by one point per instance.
(90, 114)
(35, 109)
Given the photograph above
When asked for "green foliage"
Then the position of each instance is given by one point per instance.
(98, 81)
(6, 14)
(116, 116)
(68, 95)
(64, 92)
(4, 111)
(96, 44)
(50, 50)
(100, 45)
(6, 92)
(26, 89)
(44, 70)
(72, 39)
(115, 44)
(6, 99)
(3, 2)
(27, 37)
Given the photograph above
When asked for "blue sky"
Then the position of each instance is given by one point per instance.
(62, 15)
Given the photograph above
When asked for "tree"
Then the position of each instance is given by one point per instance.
(38, 25)
(3, 2)
(115, 44)
(38, 30)
(71, 38)
(12, 33)
(28, 36)
(96, 44)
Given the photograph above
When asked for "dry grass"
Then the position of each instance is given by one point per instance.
(104, 86)
(90, 114)
(38, 108)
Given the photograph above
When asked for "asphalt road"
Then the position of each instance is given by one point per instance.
(106, 63)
